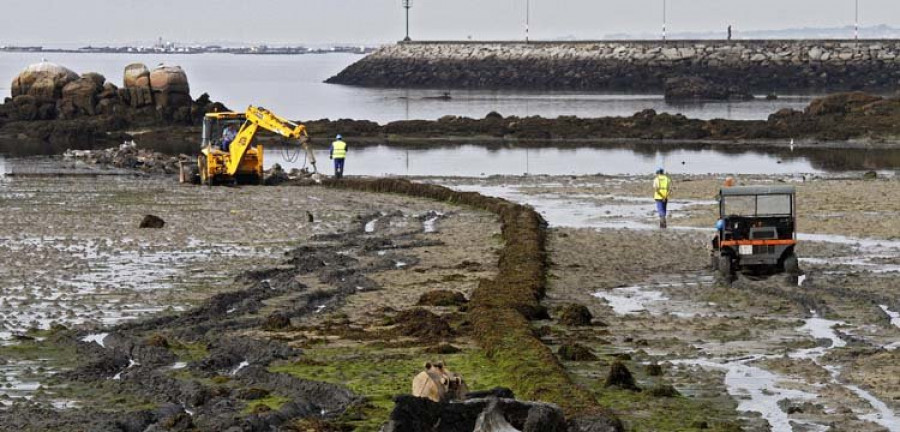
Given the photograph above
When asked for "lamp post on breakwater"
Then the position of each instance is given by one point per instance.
(664, 21)
(856, 21)
(527, 18)
(407, 4)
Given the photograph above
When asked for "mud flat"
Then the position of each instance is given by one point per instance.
(308, 307)
(759, 354)
(181, 324)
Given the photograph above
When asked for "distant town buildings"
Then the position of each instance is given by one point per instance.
(163, 47)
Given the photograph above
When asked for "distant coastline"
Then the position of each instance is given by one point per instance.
(208, 49)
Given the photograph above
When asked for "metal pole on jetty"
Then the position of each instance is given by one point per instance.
(856, 21)
(407, 4)
(527, 18)
(664, 21)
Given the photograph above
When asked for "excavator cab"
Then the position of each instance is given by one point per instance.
(241, 162)
(214, 130)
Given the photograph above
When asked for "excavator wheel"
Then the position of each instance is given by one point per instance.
(205, 179)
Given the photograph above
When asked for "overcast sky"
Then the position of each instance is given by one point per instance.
(379, 21)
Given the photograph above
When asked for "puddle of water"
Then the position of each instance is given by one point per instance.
(895, 316)
(370, 225)
(759, 390)
(820, 328)
(242, 365)
(96, 337)
(429, 225)
(630, 300)
(15, 385)
(756, 389)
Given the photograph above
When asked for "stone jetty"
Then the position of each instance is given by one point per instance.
(761, 66)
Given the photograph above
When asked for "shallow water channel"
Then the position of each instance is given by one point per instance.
(467, 160)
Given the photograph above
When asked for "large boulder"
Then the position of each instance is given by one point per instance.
(137, 92)
(170, 87)
(697, 88)
(137, 75)
(42, 80)
(80, 97)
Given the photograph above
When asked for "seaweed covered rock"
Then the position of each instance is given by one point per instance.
(413, 414)
(619, 376)
(697, 88)
(442, 298)
(840, 103)
(575, 315)
(420, 323)
(576, 352)
(663, 390)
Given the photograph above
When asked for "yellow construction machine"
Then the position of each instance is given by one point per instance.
(230, 153)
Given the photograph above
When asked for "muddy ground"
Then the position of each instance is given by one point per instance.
(820, 356)
(243, 313)
(250, 308)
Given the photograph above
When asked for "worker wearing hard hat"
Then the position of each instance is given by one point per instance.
(338, 154)
(662, 187)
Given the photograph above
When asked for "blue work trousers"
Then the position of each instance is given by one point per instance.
(339, 168)
(661, 207)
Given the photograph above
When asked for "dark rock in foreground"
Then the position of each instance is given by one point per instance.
(492, 414)
(151, 221)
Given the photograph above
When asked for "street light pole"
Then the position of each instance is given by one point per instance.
(527, 18)
(407, 4)
(664, 21)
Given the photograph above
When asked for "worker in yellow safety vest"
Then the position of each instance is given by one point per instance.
(338, 154)
(662, 187)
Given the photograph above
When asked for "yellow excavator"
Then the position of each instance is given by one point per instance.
(230, 153)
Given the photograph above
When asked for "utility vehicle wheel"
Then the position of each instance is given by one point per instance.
(725, 268)
(791, 265)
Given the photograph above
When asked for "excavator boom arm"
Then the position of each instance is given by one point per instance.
(260, 118)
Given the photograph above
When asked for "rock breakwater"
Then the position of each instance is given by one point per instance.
(640, 66)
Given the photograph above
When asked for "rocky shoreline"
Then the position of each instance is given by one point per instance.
(52, 112)
(634, 66)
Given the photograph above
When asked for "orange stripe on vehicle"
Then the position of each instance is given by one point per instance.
(758, 242)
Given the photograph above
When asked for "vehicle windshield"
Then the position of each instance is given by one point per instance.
(756, 205)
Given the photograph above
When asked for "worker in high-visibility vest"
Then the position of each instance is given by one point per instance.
(662, 187)
(338, 154)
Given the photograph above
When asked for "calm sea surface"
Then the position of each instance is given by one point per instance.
(293, 86)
